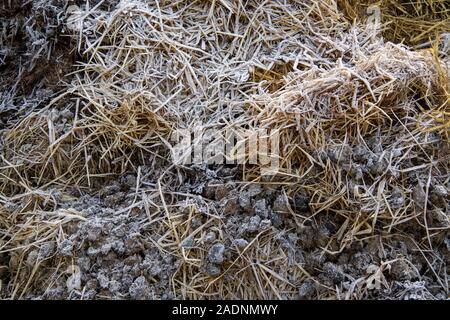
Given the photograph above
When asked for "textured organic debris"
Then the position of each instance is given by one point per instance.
(92, 205)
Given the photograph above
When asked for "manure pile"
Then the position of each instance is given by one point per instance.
(94, 203)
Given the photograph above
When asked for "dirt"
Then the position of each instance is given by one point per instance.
(120, 249)
(115, 256)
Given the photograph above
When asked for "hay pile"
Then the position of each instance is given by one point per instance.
(412, 22)
(364, 128)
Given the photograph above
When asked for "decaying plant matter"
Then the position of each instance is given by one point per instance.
(92, 206)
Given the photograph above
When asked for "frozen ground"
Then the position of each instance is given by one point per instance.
(138, 228)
